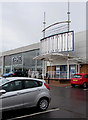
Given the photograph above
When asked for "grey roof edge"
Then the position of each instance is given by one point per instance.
(21, 49)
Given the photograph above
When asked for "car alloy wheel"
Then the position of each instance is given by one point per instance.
(43, 104)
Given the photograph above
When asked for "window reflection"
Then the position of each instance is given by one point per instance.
(23, 62)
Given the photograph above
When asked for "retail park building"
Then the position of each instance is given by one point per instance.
(54, 64)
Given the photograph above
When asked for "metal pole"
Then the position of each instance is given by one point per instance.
(67, 42)
(68, 15)
(44, 23)
(50, 69)
(67, 68)
(43, 70)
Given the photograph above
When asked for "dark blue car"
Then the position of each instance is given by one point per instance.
(15, 74)
(10, 74)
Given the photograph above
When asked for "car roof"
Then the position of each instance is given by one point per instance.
(23, 78)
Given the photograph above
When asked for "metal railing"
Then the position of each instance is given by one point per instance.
(59, 74)
(50, 74)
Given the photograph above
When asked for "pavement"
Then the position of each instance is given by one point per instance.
(57, 83)
(60, 85)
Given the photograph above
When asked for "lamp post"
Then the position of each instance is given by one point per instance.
(68, 13)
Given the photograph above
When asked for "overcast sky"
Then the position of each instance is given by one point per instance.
(21, 23)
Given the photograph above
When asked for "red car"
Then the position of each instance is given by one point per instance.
(80, 79)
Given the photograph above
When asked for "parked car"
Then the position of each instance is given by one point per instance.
(22, 92)
(80, 79)
(10, 74)
(15, 74)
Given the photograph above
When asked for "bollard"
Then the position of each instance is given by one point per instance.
(48, 80)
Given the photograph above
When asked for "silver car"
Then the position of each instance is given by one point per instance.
(22, 92)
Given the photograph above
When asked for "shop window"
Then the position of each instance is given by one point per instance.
(72, 70)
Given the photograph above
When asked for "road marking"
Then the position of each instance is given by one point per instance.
(85, 89)
(68, 86)
(52, 110)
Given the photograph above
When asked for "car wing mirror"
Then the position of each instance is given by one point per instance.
(2, 92)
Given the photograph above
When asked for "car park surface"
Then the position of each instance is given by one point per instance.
(22, 92)
(67, 102)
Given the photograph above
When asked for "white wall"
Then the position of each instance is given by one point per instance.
(80, 45)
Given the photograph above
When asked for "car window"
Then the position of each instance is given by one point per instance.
(77, 76)
(32, 83)
(85, 76)
(12, 86)
(18, 85)
(3, 80)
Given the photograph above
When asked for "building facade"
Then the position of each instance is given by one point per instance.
(21, 59)
(64, 64)
(53, 64)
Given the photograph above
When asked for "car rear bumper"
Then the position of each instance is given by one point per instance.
(77, 82)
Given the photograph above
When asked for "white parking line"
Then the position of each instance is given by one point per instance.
(68, 86)
(85, 89)
(52, 110)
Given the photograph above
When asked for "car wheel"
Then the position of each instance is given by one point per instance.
(43, 104)
(84, 85)
(72, 85)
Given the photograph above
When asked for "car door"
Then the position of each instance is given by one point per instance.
(12, 98)
(86, 78)
(31, 92)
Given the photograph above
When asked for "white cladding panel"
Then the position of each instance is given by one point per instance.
(80, 46)
(58, 43)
